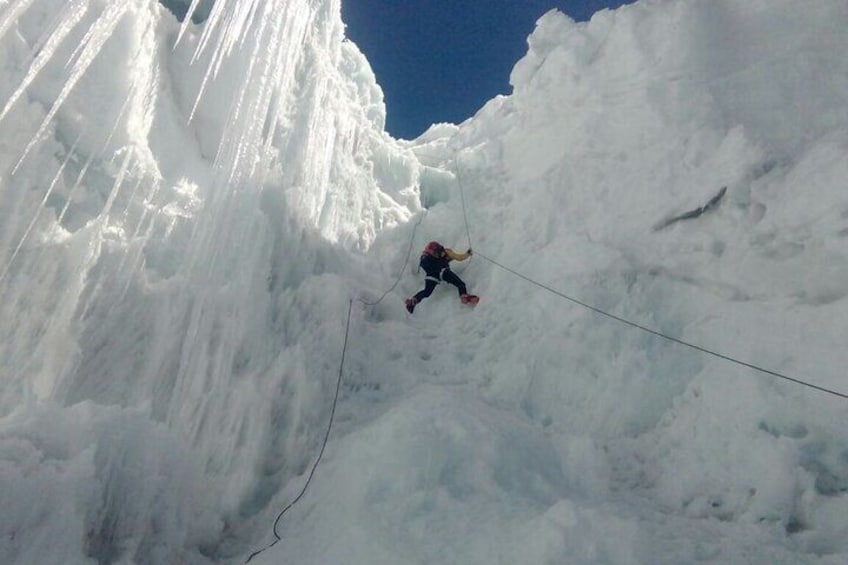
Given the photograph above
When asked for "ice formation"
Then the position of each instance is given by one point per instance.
(187, 209)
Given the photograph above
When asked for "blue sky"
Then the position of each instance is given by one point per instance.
(441, 60)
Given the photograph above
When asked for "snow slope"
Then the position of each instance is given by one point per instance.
(198, 205)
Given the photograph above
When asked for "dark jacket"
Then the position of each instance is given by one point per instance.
(434, 266)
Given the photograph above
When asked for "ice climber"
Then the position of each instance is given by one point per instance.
(435, 260)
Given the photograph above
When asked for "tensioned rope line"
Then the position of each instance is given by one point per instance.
(664, 336)
(323, 444)
(639, 326)
(462, 198)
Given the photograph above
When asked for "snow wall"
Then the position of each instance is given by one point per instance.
(187, 210)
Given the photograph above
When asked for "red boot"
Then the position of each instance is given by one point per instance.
(470, 299)
(410, 304)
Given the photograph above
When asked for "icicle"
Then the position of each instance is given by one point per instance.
(186, 21)
(40, 208)
(103, 224)
(69, 20)
(89, 161)
(97, 35)
(14, 13)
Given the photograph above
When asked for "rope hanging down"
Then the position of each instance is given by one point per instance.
(664, 336)
(323, 444)
(338, 387)
(405, 263)
(341, 371)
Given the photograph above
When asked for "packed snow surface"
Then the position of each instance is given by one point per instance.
(188, 212)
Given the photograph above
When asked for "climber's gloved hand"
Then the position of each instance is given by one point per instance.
(469, 251)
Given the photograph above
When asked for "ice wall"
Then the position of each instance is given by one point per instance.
(186, 211)
(176, 200)
(615, 125)
(535, 431)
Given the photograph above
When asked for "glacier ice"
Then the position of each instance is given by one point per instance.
(187, 209)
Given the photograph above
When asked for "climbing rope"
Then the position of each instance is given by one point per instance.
(662, 335)
(462, 198)
(533, 282)
(639, 326)
(338, 387)
(405, 263)
(323, 444)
